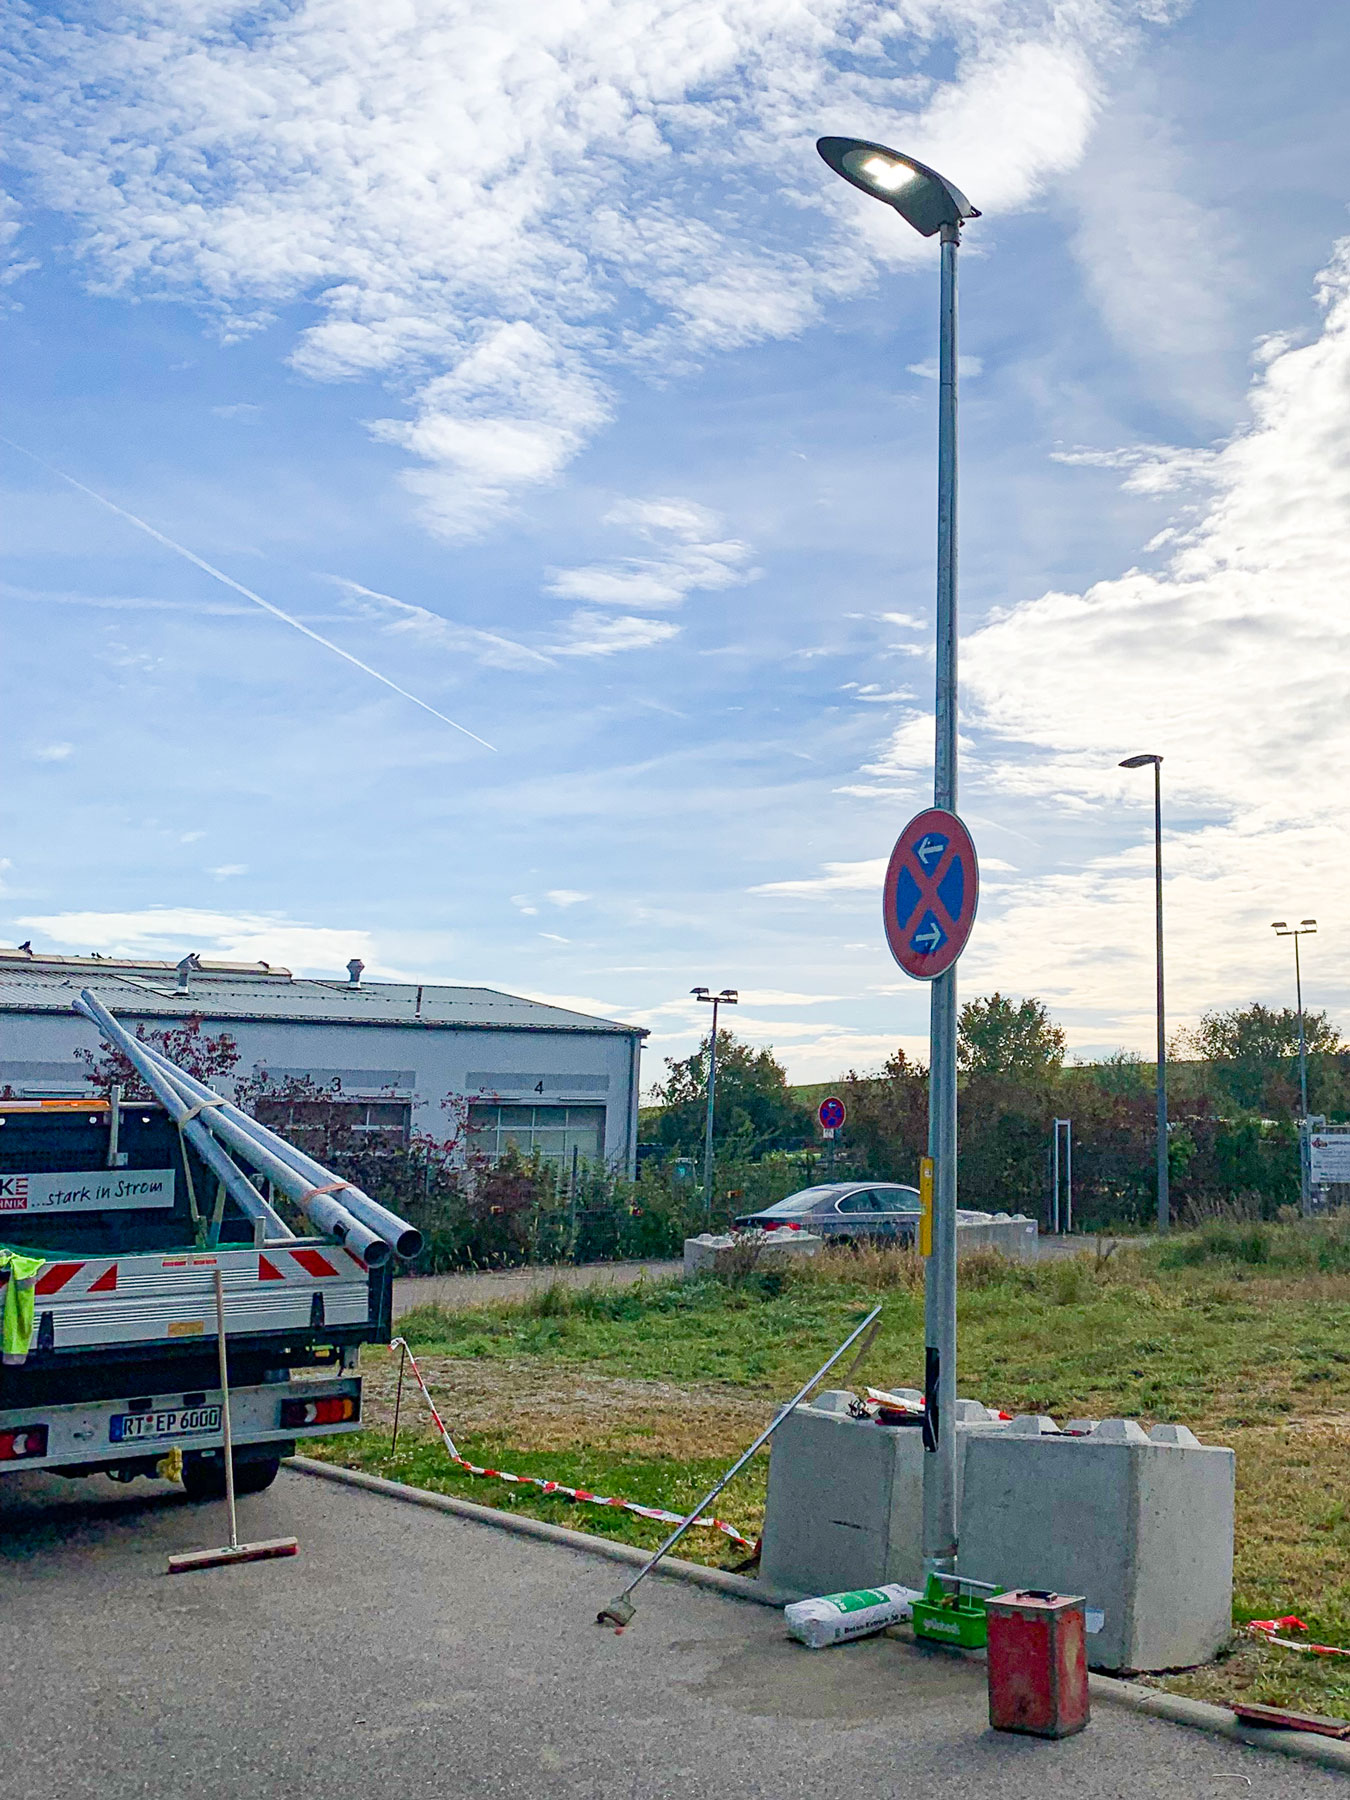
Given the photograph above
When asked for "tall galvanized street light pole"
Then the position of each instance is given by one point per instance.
(928, 202)
(1304, 928)
(1164, 1195)
(727, 997)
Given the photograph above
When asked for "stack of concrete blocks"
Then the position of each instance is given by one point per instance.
(1139, 1523)
(845, 1501)
(726, 1255)
(1013, 1235)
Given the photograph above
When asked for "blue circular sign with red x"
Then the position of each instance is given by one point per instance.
(831, 1114)
(932, 886)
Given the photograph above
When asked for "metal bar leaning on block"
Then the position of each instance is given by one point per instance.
(621, 1609)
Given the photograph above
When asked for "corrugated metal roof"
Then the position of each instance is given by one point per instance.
(141, 990)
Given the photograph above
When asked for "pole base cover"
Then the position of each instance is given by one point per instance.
(1037, 1663)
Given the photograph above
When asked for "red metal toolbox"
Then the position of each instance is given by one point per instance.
(1037, 1663)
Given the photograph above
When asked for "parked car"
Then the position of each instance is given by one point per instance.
(846, 1212)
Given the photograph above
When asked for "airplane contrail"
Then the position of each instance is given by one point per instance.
(248, 593)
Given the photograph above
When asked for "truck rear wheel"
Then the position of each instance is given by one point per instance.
(204, 1475)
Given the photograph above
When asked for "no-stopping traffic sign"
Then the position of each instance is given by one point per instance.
(929, 898)
(831, 1114)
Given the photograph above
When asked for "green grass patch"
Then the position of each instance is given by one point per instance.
(650, 1480)
(1240, 1330)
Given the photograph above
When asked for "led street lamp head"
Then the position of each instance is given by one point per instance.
(927, 200)
(1139, 762)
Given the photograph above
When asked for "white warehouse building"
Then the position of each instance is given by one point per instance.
(533, 1075)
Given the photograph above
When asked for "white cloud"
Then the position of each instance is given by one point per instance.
(52, 753)
(838, 877)
(597, 634)
(688, 558)
(490, 212)
(777, 997)
(1233, 662)
(565, 897)
(224, 871)
(967, 368)
(1152, 468)
(165, 932)
(399, 618)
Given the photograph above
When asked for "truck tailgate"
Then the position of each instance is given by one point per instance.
(89, 1302)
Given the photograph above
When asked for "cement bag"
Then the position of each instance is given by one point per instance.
(835, 1618)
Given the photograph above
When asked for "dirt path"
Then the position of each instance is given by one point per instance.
(535, 1406)
(514, 1284)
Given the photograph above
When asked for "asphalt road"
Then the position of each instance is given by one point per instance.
(409, 1654)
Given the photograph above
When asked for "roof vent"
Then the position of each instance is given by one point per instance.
(186, 968)
(354, 968)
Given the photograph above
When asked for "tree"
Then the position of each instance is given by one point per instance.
(998, 1036)
(187, 1044)
(755, 1106)
(1253, 1051)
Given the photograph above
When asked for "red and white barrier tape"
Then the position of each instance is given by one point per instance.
(1268, 1629)
(556, 1487)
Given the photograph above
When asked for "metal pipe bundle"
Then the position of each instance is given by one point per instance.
(205, 1116)
(405, 1239)
(237, 1184)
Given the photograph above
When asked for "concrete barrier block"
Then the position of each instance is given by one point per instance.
(1142, 1527)
(708, 1254)
(1014, 1237)
(845, 1500)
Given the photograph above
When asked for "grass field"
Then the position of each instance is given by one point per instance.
(1241, 1332)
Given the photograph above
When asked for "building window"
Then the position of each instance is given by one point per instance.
(309, 1121)
(554, 1131)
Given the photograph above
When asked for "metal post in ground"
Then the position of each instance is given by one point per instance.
(1305, 928)
(939, 1469)
(1164, 1210)
(727, 997)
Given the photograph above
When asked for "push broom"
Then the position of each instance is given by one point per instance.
(234, 1551)
(620, 1610)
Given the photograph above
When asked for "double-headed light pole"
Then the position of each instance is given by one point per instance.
(727, 997)
(930, 203)
(1164, 1197)
(1304, 928)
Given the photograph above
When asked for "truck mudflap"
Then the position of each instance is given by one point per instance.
(104, 1434)
(99, 1302)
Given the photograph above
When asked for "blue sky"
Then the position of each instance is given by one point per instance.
(540, 366)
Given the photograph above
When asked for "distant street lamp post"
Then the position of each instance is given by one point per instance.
(1164, 1196)
(929, 202)
(1304, 928)
(727, 997)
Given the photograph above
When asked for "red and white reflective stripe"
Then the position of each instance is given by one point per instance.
(307, 1265)
(70, 1279)
(556, 1487)
(1267, 1630)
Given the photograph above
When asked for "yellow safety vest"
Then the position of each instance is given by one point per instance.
(18, 1277)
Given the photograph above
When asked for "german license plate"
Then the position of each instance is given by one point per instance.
(177, 1421)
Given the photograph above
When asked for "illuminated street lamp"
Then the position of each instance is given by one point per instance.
(929, 202)
(727, 997)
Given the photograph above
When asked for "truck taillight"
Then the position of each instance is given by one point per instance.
(24, 1440)
(336, 1409)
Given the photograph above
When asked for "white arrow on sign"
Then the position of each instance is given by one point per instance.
(929, 850)
(928, 941)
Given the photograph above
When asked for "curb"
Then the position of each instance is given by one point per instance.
(1203, 1715)
(736, 1587)
(1198, 1715)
